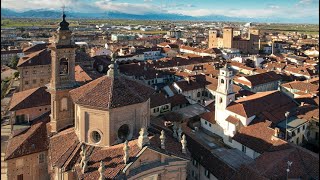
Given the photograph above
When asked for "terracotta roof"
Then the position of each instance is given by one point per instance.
(309, 99)
(308, 112)
(29, 141)
(208, 116)
(81, 75)
(158, 99)
(191, 85)
(42, 57)
(30, 98)
(37, 47)
(62, 146)
(301, 70)
(106, 93)
(259, 102)
(177, 100)
(302, 86)
(66, 149)
(273, 164)
(259, 79)
(257, 136)
(232, 120)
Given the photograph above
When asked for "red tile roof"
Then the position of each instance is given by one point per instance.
(177, 100)
(257, 136)
(273, 164)
(208, 116)
(302, 86)
(42, 57)
(158, 99)
(37, 47)
(106, 93)
(32, 140)
(259, 102)
(30, 98)
(259, 79)
(65, 149)
(81, 75)
(232, 120)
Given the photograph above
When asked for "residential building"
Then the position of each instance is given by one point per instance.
(34, 69)
(267, 81)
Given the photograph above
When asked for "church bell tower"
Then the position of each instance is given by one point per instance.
(224, 94)
(62, 77)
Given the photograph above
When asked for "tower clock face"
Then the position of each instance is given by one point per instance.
(63, 37)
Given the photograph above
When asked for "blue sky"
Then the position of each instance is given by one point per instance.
(300, 9)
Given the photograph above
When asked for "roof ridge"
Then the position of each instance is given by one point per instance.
(30, 56)
(29, 93)
(111, 92)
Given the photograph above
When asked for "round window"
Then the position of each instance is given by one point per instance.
(96, 137)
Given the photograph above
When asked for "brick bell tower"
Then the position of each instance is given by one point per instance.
(62, 77)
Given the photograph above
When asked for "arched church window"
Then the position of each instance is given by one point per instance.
(123, 132)
(64, 66)
(220, 100)
(96, 136)
(64, 104)
(222, 81)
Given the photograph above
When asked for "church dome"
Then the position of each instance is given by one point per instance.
(111, 92)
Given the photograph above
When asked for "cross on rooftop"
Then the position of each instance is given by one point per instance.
(63, 7)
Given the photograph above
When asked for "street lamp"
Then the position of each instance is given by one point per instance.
(286, 115)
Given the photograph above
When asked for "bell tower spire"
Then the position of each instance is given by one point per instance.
(62, 77)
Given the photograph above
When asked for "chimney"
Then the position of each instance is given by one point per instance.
(162, 139)
(143, 138)
(126, 152)
(275, 136)
(101, 170)
(184, 144)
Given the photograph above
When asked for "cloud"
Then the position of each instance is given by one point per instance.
(73, 5)
(305, 1)
(269, 11)
(272, 6)
(191, 5)
(137, 9)
(147, 0)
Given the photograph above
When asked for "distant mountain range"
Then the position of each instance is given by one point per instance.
(7, 13)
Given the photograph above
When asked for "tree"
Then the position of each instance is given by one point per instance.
(14, 61)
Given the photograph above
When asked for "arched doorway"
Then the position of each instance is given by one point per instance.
(123, 132)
